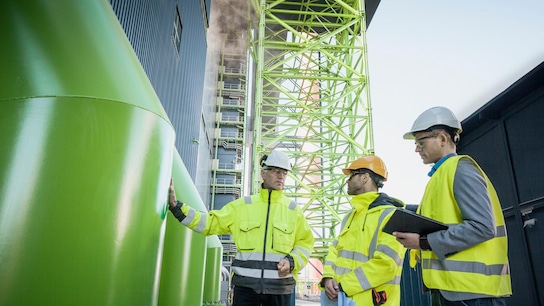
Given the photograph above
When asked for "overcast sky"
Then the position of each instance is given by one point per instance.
(459, 54)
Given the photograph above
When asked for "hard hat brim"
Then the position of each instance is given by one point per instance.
(409, 135)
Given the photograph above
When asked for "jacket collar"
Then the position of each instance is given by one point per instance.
(274, 195)
(363, 200)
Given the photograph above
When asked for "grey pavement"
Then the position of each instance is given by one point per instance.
(306, 302)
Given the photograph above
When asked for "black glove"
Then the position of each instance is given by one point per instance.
(176, 211)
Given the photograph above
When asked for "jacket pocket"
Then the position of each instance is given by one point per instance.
(247, 237)
(346, 240)
(283, 237)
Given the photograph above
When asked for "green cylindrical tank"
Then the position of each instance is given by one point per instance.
(85, 162)
(212, 278)
(184, 259)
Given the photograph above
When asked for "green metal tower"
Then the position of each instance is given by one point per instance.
(312, 100)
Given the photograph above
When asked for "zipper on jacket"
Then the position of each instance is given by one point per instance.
(265, 234)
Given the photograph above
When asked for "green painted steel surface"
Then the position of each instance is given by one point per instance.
(85, 162)
(81, 202)
(212, 277)
(183, 266)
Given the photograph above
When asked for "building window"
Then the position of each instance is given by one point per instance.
(176, 32)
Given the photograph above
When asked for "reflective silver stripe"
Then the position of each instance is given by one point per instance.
(374, 241)
(258, 256)
(304, 251)
(335, 243)
(387, 250)
(466, 266)
(256, 273)
(202, 222)
(352, 255)
(292, 205)
(361, 277)
(500, 231)
(394, 281)
(339, 270)
(345, 220)
(357, 256)
(299, 259)
(247, 199)
(191, 216)
(297, 251)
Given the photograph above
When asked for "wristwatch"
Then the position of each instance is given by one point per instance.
(424, 243)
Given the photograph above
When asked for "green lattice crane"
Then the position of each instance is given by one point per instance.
(311, 99)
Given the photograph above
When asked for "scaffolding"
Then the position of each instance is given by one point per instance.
(307, 62)
(312, 100)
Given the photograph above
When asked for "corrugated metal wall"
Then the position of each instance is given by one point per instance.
(411, 284)
(177, 75)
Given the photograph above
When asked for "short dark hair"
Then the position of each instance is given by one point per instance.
(376, 178)
(452, 132)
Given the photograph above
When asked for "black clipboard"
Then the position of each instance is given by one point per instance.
(404, 220)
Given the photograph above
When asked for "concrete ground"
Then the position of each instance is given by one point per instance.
(307, 302)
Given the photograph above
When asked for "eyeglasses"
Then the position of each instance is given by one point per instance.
(420, 144)
(277, 171)
(352, 174)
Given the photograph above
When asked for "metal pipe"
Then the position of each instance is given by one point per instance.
(85, 162)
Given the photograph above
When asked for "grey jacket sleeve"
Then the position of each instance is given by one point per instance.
(478, 225)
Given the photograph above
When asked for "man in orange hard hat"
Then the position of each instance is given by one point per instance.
(364, 264)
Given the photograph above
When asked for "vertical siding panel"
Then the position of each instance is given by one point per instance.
(178, 80)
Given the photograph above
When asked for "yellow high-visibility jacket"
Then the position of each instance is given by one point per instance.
(481, 269)
(363, 257)
(265, 227)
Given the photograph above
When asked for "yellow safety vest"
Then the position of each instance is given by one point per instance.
(483, 268)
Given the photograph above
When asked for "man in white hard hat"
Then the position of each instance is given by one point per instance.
(363, 262)
(272, 237)
(467, 264)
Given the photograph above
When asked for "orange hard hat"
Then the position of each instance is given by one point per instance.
(370, 162)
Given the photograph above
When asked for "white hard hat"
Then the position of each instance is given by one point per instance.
(276, 159)
(437, 115)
